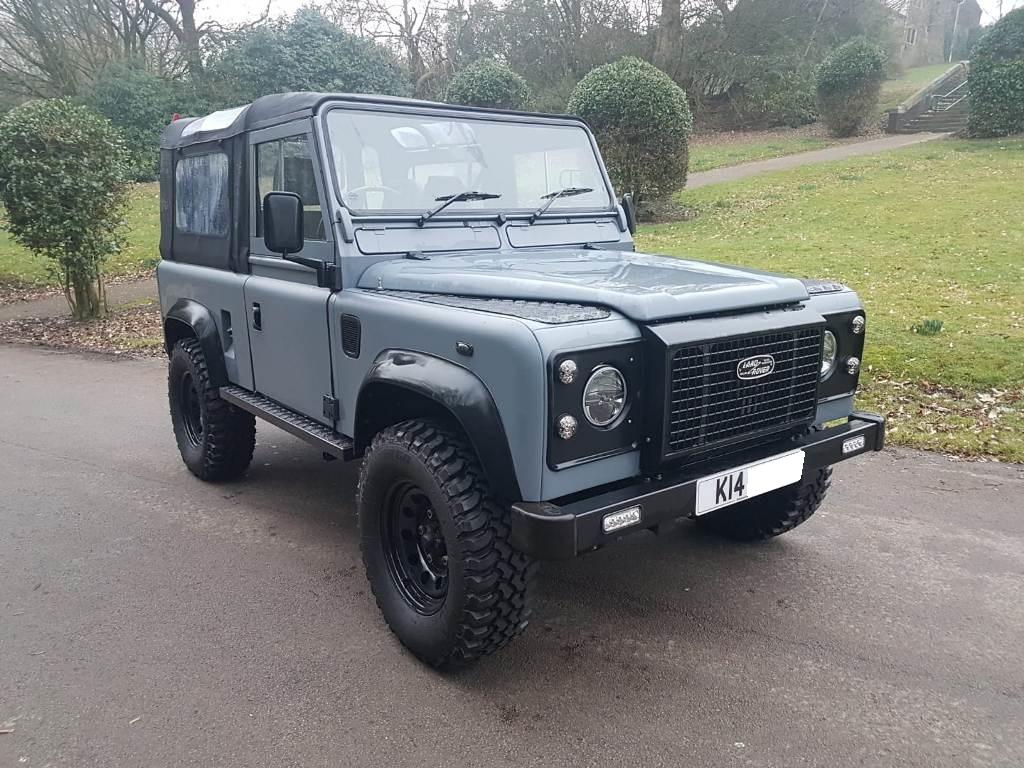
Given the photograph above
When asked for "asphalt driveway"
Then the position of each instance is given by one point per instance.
(147, 619)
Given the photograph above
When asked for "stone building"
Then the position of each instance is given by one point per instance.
(933, 31)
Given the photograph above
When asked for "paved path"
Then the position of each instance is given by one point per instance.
(148, 619)
(57, 306)
(874, 146)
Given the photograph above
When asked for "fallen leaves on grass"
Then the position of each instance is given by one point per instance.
(134, 331)
(924, 414)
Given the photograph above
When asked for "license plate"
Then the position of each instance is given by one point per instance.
(748, 481)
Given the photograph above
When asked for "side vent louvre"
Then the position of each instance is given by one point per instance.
(351, 331)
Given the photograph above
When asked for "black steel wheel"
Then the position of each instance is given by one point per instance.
(415, 548)
(215, 439)
(191, 411)
(436, 548)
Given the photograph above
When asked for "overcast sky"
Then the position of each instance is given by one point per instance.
(235, 11)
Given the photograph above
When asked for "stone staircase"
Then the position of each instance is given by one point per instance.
(942, 106)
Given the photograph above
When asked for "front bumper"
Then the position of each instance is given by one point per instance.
(551, 531)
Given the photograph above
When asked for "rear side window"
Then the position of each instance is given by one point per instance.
(201, 194)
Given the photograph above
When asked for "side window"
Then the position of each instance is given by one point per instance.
(201, 194)
(286, 165)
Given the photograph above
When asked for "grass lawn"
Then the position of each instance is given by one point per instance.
(931, 232)
(909, 83)
(707, 154)
(19, 267)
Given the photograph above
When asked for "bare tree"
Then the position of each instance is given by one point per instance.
(56, 47)
(180, 18)
(415, 33)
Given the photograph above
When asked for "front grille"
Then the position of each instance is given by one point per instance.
(709, 404)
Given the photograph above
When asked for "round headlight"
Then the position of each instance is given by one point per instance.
(604, 397)
(829, 351)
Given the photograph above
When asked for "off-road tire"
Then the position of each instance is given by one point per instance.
(773, 513)
(220, 446)
(487, 598)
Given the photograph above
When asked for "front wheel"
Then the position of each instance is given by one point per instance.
(774, 513)
(436, 548)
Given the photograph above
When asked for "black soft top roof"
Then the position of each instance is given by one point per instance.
(279, 107)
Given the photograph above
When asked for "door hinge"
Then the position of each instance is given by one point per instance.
(331, 408)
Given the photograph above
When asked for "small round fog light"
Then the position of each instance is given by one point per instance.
(852, 365)
(567, 371)
(566, 426)
(857, 325)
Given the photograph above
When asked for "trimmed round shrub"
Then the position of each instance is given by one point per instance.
(848, 83)
(63, 181)
(996, 79)
(642, 121)
(488, 83)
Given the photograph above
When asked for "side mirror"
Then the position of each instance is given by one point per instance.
(629, 208)
(282, 222)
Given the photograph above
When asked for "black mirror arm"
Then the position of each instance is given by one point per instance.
(306, 261)
(324, 271)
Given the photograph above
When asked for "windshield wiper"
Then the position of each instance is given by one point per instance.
(456, 198)
(550, 198)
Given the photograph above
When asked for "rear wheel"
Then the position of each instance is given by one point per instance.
(436, 546)
(772, 514)
(215, 439)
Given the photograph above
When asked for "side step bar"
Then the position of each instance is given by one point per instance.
(321, 437)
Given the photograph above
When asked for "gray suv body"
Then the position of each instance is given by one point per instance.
(453, 295)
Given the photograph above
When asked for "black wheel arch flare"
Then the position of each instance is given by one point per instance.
(188, 317)
(453, 390)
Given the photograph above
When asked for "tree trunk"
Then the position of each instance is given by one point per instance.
(86, 296)
(190, 37)
(668, 44)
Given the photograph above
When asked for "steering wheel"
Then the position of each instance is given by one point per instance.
(369, 188)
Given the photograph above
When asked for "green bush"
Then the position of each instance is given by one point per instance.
(996, 80)
(642, 121)
(553, 97)
(488, 83)
(140, 104)
(63, 182)
(305, 53)
(774, 97)
(848, 83)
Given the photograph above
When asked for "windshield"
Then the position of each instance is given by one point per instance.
(408, 163)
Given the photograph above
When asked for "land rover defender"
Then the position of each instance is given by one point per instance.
(452, 295)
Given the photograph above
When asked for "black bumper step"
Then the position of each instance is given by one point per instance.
(318, 435)
(553, 530)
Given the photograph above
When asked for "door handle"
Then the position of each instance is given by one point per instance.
(257, 316)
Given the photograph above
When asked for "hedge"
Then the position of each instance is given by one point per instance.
(996, 79)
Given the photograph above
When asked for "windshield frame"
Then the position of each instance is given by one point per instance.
(472, 114)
